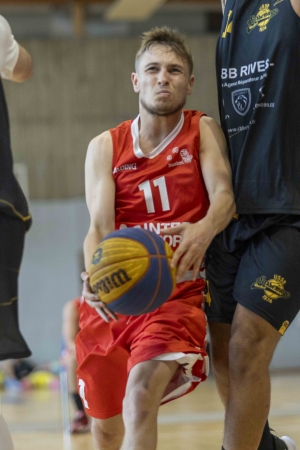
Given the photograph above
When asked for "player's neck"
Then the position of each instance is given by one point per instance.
(154, 129)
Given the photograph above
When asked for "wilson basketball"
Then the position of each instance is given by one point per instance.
(130, 271)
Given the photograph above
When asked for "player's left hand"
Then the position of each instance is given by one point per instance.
(195, 240)
(94, 301)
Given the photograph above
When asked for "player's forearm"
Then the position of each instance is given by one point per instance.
(92, 239)
(221, 210)
(90, 242)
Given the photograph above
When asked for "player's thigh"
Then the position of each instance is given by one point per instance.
(102, 380)
(268, 281)
(221, 272)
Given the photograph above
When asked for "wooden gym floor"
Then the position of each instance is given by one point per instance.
(194, 422)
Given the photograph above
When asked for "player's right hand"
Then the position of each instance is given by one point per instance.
(94, 301)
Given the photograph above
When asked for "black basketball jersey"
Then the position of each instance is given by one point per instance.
(12, 199)
(258, 73)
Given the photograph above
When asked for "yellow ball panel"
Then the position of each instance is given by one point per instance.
(116, 250)
(114, 280)
(173, 270)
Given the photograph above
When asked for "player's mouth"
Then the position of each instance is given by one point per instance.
(164, 92)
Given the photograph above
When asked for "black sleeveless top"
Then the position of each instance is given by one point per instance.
(258, 73)
(12, 199)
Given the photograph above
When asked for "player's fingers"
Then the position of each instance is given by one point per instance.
(110, 313)
(103, 314)
(196, 266)
(176, 230)
(84, 276)
(184, 264)
(177, 255)
(87, 291)
(89, 295)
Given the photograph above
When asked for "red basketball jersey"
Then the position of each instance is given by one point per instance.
(164, 188)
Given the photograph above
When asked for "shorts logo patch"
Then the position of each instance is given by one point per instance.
(284, 327)
(273, 288)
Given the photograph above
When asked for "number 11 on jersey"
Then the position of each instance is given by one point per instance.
(159, 183)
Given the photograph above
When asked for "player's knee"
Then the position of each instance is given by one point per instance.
(106, 436)
(247, 353)
(137, 405)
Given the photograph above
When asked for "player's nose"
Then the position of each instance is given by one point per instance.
(163, 78)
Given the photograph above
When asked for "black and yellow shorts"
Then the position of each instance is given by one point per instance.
(256, 262)
(12, 232)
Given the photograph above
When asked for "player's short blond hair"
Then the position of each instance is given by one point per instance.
(168, 37)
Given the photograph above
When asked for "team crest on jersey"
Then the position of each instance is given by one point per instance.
(273, 288)
(262, 18)
(186, 156)
(241, 100)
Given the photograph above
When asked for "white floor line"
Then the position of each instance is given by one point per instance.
(164, 419)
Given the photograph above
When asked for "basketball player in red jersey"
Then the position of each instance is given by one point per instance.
(166, 171)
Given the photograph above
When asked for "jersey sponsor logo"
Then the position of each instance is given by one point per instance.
(256, 67)
(241, 100)
(125, 167)
(186, 157)
(273, 288)
(172, 240)
(81, 385)
(228, 27)
(262, 18)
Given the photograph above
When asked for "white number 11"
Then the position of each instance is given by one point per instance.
(161, 184)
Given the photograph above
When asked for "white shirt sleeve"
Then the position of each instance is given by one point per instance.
(9, 50)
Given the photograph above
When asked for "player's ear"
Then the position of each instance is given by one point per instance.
(190, 85)
(135, 82)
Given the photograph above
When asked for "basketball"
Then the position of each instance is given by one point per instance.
(130, 271)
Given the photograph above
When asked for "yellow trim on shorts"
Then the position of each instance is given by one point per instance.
(10, 302)
(19, 215)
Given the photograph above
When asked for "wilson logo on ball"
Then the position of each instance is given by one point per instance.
(115, 280)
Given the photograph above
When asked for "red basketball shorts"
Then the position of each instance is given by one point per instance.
(106, 352)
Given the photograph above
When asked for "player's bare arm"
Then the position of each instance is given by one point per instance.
(15, 61)
(24, 68)
(296, 5)
(100, 198)
(217, 177)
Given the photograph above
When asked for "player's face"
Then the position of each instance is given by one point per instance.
(162, 81)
